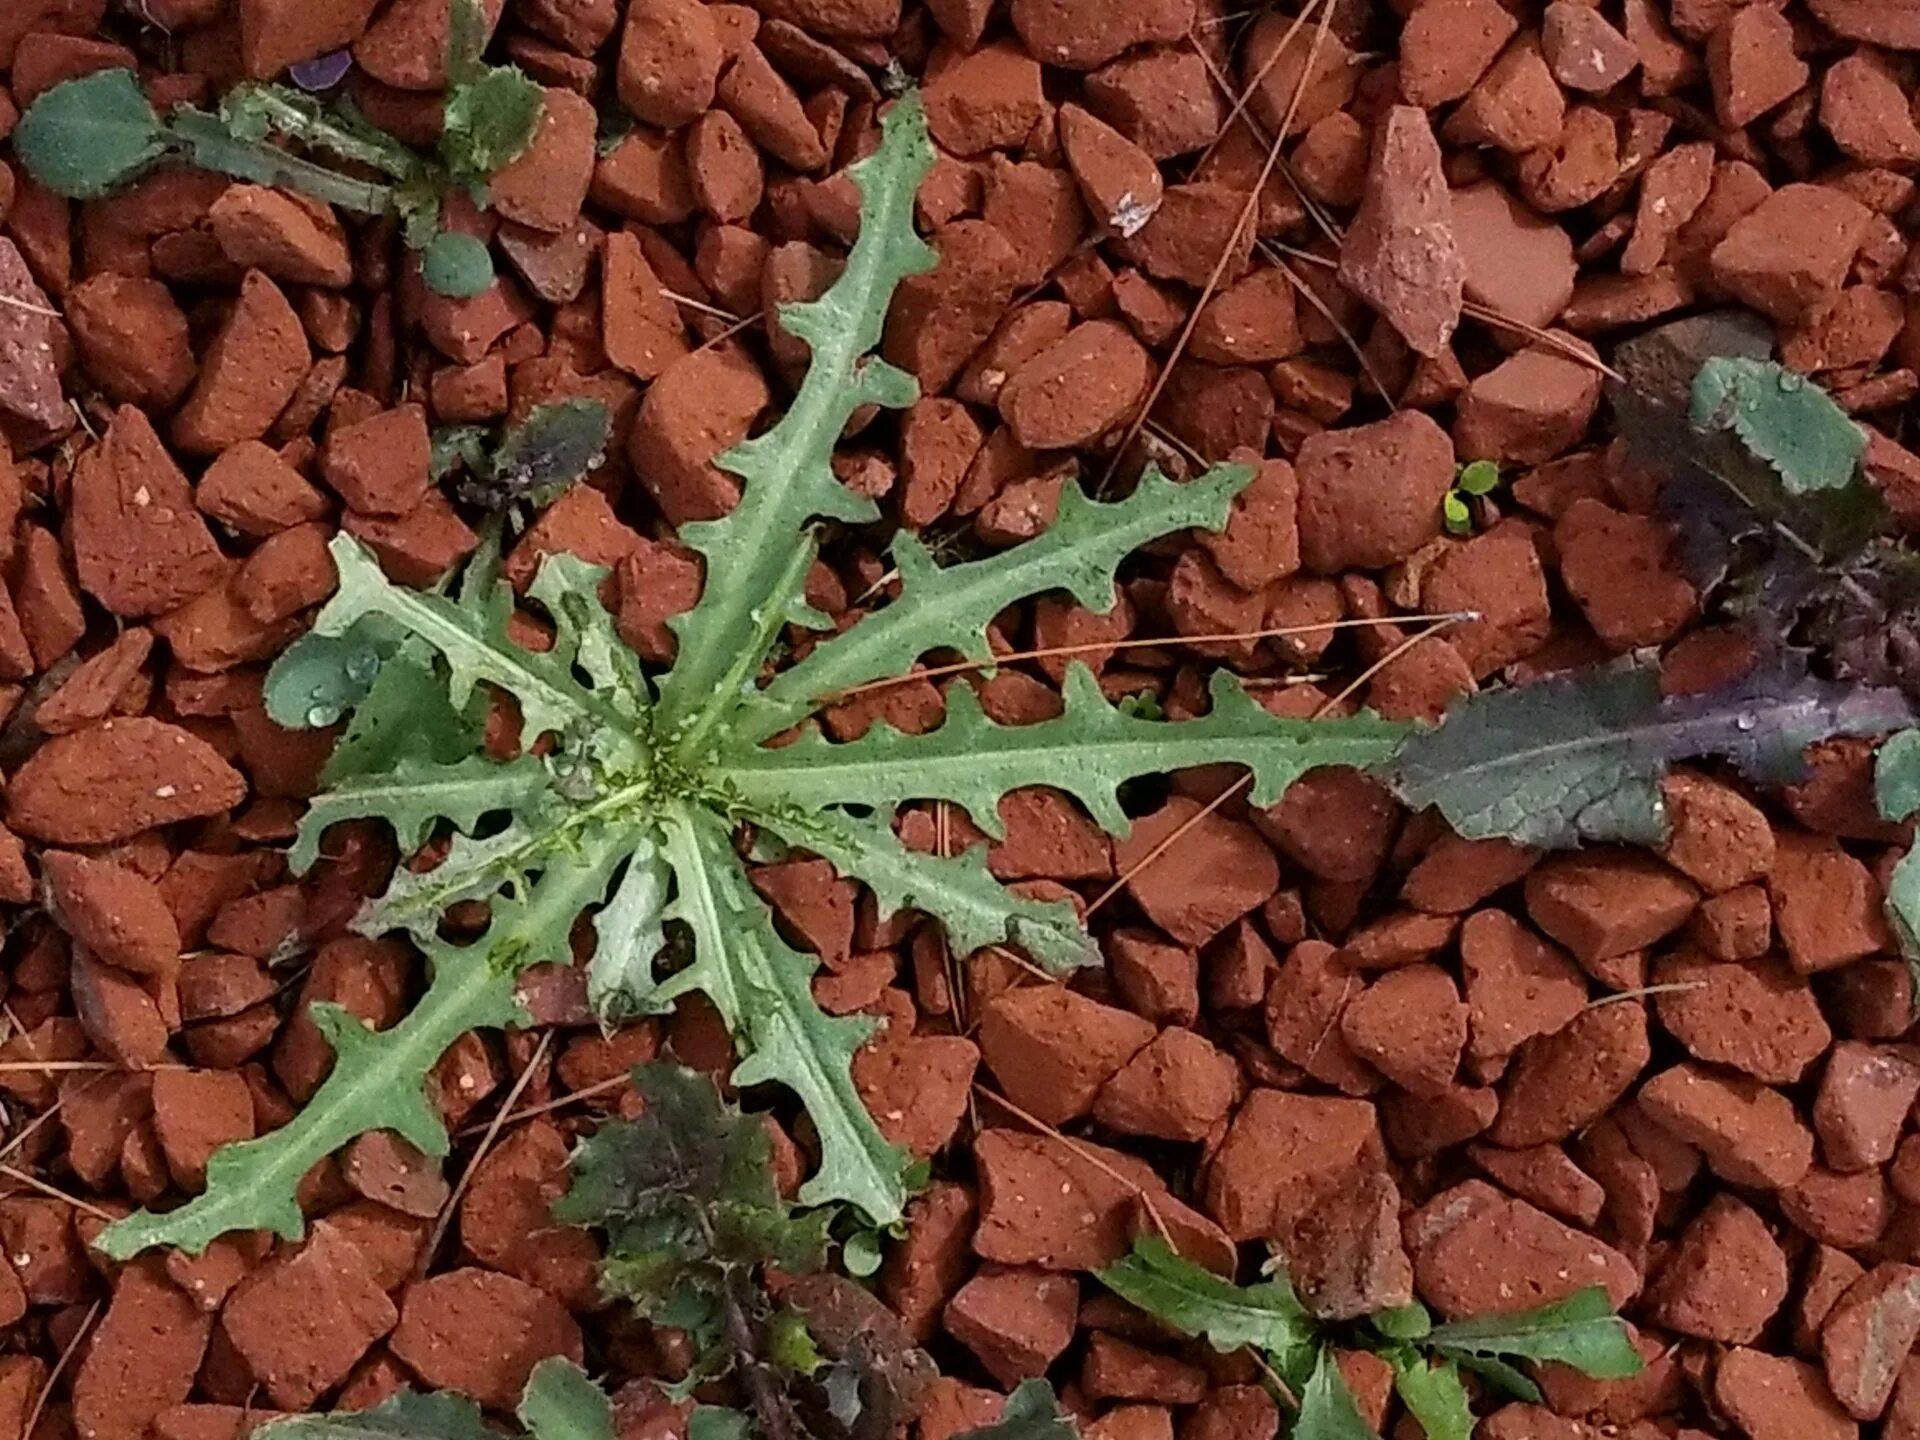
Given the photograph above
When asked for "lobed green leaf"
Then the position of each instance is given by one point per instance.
(758, 554)
(1782, 417)
(561, 1403)
(1195, 1301)
(1089, 752)
(1433, 1395)
(1581, 1331)
(951, 607)
(403, 1416)
(1328, 1410)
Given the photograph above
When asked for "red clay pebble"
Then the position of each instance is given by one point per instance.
(1529, 408)
(700, 406)
(118, 1013)
(1078, 388)
(1543, 1175)
(1157, 980)
(1233, 1412)
(1716, 836)
(284, 235)
(1477, 1252)
(1673, 189)
(1058, 1206)
(987, 100)
(929, 1263)
(670, 60)
(1826, 905)
(1518, 262)
(1178, 1088)
(640, 327)
(1863, 107)
(1220, 870)
(506, 1219)
(1119, 181)
(120, 777)
(1748, 1133)
(1456, 874)
(253, 491)
(382, 1167)
(1621, 571)
(1516, 106)
(115, 912)
(1867, 1337)
(1862, 1104)
(1725, 1278)
(1447, 45)
(1310, 1173)
(1517, 985)
(1756, 1016)
(248, 374)
(917, 1087)
(1052, 1049)
(302, 1321)
(1302, 1016)
(133, 339)
(195, 1112)
(1585, 52)
(142, 1358)
(1411, 1026)
(139, 545)
(1563, 1081)
(29, 375)
(1771, 1397)
(1399, 253)
(545, 186)
(1788, 256)
(1015, 1321)
(1085, 34)
(1751, 65)
(481, 1334)
(1370, 495)
(1602, 903)
(380, 465)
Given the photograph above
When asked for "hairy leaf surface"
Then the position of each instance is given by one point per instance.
(1784, 418)
(1579, 758)
(86, 138)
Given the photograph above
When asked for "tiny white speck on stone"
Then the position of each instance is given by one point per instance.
(166, 792)
(143, 496)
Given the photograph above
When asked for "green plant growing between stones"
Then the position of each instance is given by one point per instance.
(632, 812)
(1580, 1331)
(558, 1403)
(93, 136)
(558, 444)
(1475, 479)
(686, 1198)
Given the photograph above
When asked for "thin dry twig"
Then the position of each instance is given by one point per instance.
(1140, 1191)
(503, 1118)
(67, 1352)
(445, 1218)
(1249, 220)
(54, 1192)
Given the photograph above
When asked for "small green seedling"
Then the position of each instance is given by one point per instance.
(623, 807)
(1476, 478)
(94, 136)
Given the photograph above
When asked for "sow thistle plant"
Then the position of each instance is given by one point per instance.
(632, 789)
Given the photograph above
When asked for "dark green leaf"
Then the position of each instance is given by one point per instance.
(1195, 1301)
(1031, 1413)
(1433, 1395)
(490, 121)
(557, 444)
(1784, 418)
(1328, 1410)
(1579, 758)
(319, 678)
(1581, 1331)
(1502, 1376)
(685, 1191)
(88, 137)
(561, 1403)
(466, 41)
(456, 265)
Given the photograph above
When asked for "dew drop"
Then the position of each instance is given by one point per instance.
(363, 666)
(320, 716)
